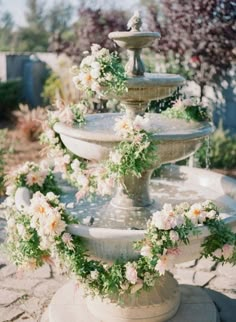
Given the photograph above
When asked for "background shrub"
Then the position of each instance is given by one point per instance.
(10, 96)
(3, 151)
(219, 153)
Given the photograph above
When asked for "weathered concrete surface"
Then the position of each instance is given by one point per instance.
(25, 297)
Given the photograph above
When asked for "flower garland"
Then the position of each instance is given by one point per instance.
(187, 109)
(88, 178)
(38, 234)
(100, 72)
(133, 155)
(136, 152)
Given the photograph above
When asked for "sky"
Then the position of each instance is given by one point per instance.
(17, 7)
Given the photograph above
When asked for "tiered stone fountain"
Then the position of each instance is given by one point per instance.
(122, 220)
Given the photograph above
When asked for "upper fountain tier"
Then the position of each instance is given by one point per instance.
(142, 87)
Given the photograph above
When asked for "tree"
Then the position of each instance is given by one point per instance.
(199, 34)
(59, 17)
(6, 30)
(93, 26)
(33, 37)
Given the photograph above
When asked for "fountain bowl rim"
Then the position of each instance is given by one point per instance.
(120, 35)
(202, 131)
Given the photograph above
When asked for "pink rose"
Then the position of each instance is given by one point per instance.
(131, 273)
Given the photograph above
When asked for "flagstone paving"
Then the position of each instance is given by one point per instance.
(25, 297)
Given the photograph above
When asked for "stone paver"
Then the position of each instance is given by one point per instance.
(25, 298)
(8, 297)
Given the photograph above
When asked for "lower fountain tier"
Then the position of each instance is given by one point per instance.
(113, 232)
(111, 236)
(175, 139)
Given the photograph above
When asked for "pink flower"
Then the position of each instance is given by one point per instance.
(81, 194)
(174, 236)
(68, 240)
(131, 273)
(146, 251)
(36, 177)
(166, 261)
(227, 251)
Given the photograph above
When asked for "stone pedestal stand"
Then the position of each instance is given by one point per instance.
(69, 305)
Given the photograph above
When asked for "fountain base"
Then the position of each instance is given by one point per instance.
(68, 304)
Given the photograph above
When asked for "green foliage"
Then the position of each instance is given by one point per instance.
(164, 103)
(3, 152)
(135, 156)
(10, 94)
(51, 88)
(190, 113)
(220, 152)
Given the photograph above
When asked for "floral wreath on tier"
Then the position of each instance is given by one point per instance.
(38, 232)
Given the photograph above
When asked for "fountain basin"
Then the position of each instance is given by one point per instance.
(176, 139)
(134, 39)
(177, 184)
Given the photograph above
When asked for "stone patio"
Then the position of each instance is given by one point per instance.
(25, 297)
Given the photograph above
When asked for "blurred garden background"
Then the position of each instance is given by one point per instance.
(40, 41)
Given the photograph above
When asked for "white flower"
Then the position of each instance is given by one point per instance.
(109, 77)
(95, 86)
(146, 251)
(164, 263)
(105, 186)
(82, 180)
(75, 165)
(131, 273)
(61, 162)
(167, 219)
(211, 214)
(94, 274)
(123, 126)
(102, 53)
(174, 236)
(54, 225)
(196, 213)
(115, 157)
(9, 202)
(95, 48)
(10, 190)
(141, 123)
(95, 69)
(87, 61)
(52, 197)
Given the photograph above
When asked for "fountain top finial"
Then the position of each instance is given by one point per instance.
(135, 22)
